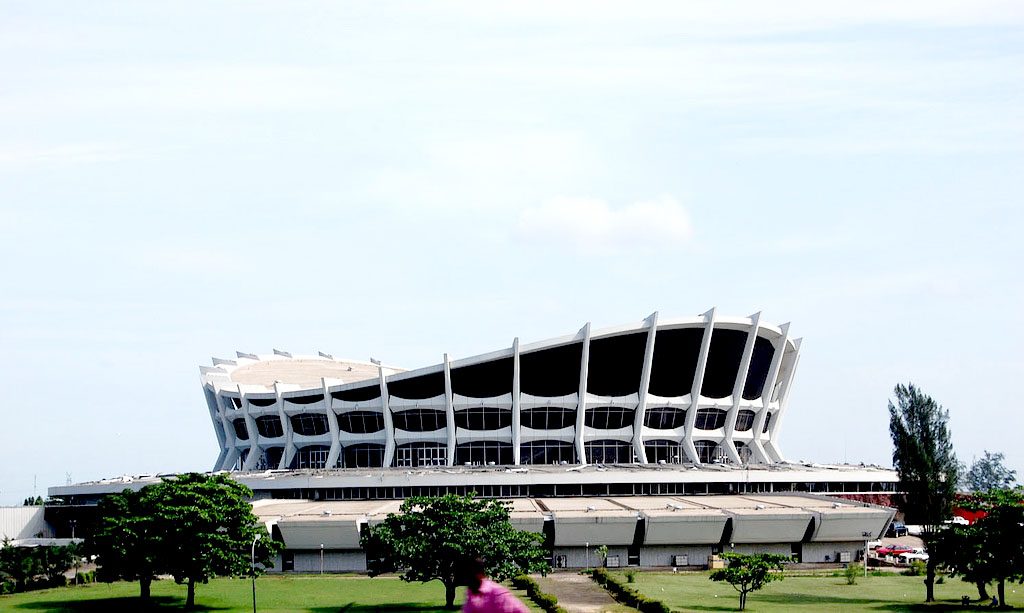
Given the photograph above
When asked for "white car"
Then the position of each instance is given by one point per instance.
(909, 556)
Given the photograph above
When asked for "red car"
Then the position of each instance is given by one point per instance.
(893, 550)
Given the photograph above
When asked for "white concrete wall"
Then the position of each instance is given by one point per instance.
(23, 523)
(334, 561)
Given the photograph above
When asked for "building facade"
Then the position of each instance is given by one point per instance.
(696, 390)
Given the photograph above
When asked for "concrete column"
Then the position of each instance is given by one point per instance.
(581, 404)
(517, 434)
(737, 390)
(698, 382)
(449, 411)
(645, 383)
(332, 423)
(389, 424)
(762, 456)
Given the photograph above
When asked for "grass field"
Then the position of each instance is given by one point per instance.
(308, 594)
(695, 592)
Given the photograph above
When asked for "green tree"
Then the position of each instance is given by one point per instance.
(25, 565)
(927, 467)
(960, 549)
(18, 564)
(192, 527)
(990, 473)
(433, 536)
(1001, 536)
(749, 573)
(126, 541)
(33, 502)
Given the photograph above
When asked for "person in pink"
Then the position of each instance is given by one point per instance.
(486, 596)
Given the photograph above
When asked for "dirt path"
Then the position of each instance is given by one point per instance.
(579, 594)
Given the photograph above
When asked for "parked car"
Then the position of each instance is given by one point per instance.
(896, 530)
(909, 556)
(893, 550)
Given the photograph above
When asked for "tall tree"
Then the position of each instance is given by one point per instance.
(749, 573)
(127, 542)
(432, 537)
(1002, 532)
(207, 527)
(192, 527)
(927, 467)
(990, 473)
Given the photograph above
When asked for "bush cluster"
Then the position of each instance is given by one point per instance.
(546, 601)
(627, 595)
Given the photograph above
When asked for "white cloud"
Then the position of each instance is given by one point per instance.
(593, 226)
(66, 153)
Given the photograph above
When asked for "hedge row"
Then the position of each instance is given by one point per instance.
(546, 601)
(627, 595)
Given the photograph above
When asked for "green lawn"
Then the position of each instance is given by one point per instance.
(695, 592)
(300, 593)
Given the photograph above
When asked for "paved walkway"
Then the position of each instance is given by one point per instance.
(578, 593)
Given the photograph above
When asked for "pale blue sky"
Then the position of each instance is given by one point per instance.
(179, 180)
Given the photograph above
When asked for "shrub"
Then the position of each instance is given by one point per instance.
(630, 576)
(627, 595)
(548, 602)
(916, 569)
(851, 572)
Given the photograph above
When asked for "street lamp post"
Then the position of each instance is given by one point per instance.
(321, 558)
(587, 549)
(253, 568)
(867, 536)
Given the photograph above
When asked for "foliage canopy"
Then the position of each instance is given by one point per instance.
(433, 537)
(749, 573)
(192, 527)
(923, 457)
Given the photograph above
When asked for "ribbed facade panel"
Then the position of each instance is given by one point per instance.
(699, 390)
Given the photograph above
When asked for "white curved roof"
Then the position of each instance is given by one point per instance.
(296, 372)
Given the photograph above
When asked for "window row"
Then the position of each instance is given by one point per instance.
(547, 418)
(485, 453)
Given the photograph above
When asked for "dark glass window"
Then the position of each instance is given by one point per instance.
(744, 451)
(419, 420)
(270, 459)
(361, 422)
(310, 424)
(358, 394)
(709, 419)
(418, 387)
(676, 353)
(262, 402)
(241, 432)
(483, 418)
(609, 418)
(724, 357)
(707, 451)
(744, 420)
(615, 364)
(364, 455)
(767, 422)
(547, 452)
(664, 418)
(421, 454)
(670, 452)
(551, 372)
(757, 373)
(484, 380)
(548, 418)
(269, 426)
(608, 452)
(305, 399)
(313, 456)
(483, 453)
